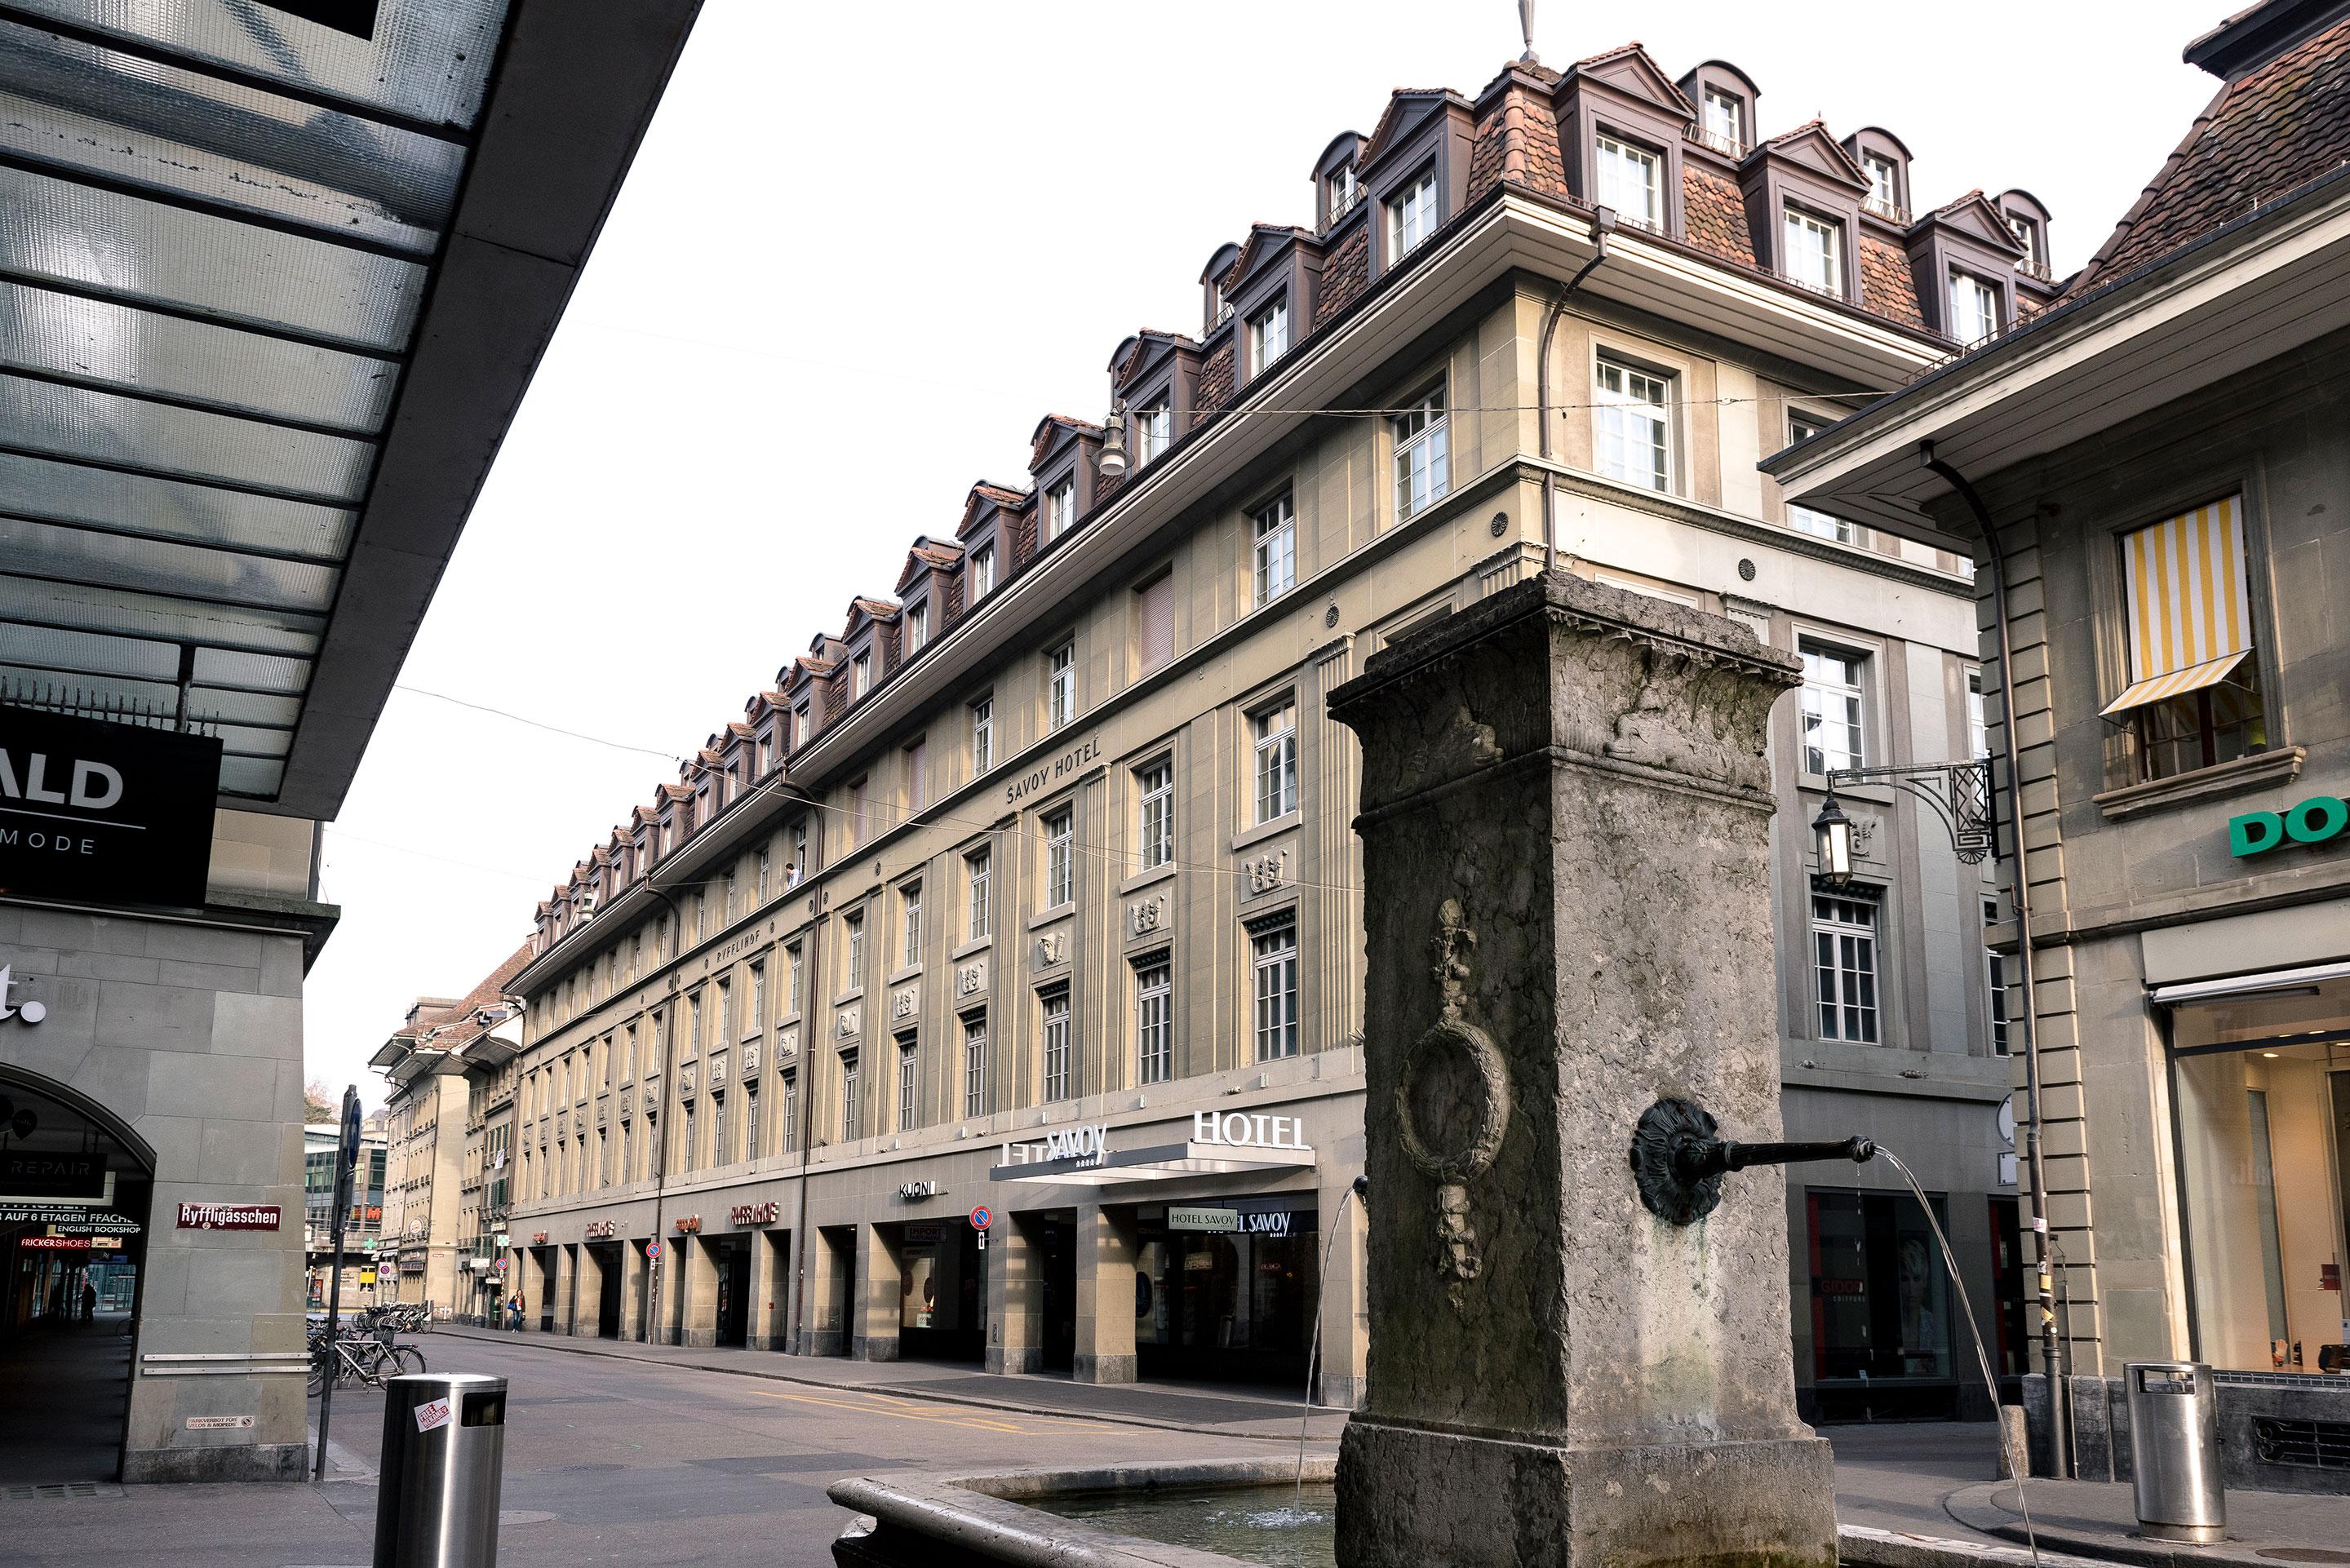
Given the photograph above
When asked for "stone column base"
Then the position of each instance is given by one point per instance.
(1416, 1496)
(873, 1347)
(1102, 1368)
(1013, 1359)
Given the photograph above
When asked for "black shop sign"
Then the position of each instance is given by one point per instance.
(104, 813)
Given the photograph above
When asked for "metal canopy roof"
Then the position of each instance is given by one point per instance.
(270, 293)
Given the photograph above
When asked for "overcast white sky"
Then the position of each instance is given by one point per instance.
(864, 248)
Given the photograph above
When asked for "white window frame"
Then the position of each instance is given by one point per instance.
(1275, 728)
(1724, 115)
(1883, 183)
(1411, 215)
(1847, 984)
(981, 575)
(1996, 993)
(1274, 551)
(1633, 415)
(1815, 250)
(1060, 858)
(1802, 426)
(1154, 821)
(1343, 187)
(1154, 1019)
(851, 1082)
(1974, 308)
(1630, 180)
(1057, 1046)
(978, 871)
(853, 933)
(909, 1082)
(1273, 963)
(1154, 430)
(918, 626)
(1832, 702)
(982, 735)
(909, 900)
(1421, 434)
(860, 674)
(1060, 509)
(975, 1065)
(1268, 336)
(1978, 717)
(1060, 687)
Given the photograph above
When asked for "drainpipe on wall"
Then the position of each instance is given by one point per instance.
(1603, 223)
(2052, 1358)
(660, 1144)
(800, 1239)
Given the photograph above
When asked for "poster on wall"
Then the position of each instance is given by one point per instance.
(103, 812)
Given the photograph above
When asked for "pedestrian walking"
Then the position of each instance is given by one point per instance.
(89, 1302)
(513, 1313)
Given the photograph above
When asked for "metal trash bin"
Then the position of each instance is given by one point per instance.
(2174, 1411)
(444, 1439)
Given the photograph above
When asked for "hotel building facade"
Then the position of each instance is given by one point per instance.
(1034, 888)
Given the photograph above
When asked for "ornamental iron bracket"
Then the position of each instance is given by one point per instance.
(1959, 793)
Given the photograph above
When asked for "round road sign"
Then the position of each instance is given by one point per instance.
(981, 1218)
(652, 1249)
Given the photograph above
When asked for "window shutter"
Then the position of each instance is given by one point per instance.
(1158, 622)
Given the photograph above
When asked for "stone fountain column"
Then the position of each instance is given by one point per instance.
(1566, 821)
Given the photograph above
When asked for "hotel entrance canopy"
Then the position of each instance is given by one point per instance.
(272, 281)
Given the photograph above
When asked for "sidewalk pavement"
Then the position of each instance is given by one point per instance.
(2099, 1519)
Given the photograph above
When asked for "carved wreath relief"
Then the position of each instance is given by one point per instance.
(1452, 1106)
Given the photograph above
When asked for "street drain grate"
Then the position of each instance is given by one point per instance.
(60, 1488)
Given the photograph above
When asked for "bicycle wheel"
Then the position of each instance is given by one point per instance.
(317, 1375)
(406, 1359)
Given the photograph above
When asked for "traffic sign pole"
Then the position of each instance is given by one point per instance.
(346, 1159)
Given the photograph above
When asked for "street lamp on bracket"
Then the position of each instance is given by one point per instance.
(1960, 793)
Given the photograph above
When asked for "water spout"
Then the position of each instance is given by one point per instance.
(1360, 1187)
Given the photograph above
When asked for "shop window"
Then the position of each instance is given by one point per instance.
(1232, 1304)
(2194, 697)
(2261, 1097)
(1881, 1306)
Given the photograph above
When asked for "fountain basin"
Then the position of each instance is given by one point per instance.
(920, 1519)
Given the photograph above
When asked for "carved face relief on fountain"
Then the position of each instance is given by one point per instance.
(1452, 1106)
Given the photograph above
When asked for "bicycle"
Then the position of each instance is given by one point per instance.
(370, 1359)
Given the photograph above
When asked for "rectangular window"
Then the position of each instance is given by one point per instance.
(1884, 185)
(1275, 550)
(1061, 686)
(2194, 697)
(1844, 948)
(1056, 1047)
(1411, 215)
(918, 627)
(1154, 431)
(1832, 702)
(686, 1153)
(760, 867)
(1630, 421)
(905, 1084)
(855, 926)
(1815, 251)
(1060, 509)
(720, 1153)
(1156, 835)
(1422, 474)
(1974, 309)
(1725, 121)
(751, 1149)
(693, 1030)
(983, 736)
(856, 817)
(799, 738)
(1977, 723)
(918, 776)
(1275, 956)
(791, 968)
(1995, 976)
(1268, 336)
(1060, 865)
(791, 1086)
(974, 1066)
(758, 1015)
(799, 867)
(1154, 1022)
(911, 954)
(1154, 604)
(1343, 188)
(1276, 761)
(982, 571)
(849, 1121)
(628, 1165)
(860, 675)
(1803, 519)
(1628, 182)
(976, 870)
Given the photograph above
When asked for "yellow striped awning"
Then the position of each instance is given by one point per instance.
(2189, 614)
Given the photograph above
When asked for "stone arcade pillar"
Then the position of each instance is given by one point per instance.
(632, 1289)
(697, 1300)
(770, 1290)
(587, 1293)
(567, 1281)
(1015, 1295)
(1106, 1243)
(1566, 816)
(880, 1281)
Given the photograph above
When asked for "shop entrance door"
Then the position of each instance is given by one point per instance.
(546, 1289)
(608, 1299)
(73, 1266)
(731, 1255)
(1058, 1232)
(943, 1301)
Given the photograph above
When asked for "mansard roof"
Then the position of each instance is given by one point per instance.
(1810, 147)
(1973, 215)
(1629, 70)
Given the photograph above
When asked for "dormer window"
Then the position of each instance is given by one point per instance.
(1628, 183)
(1060, 509)
(1220, 309)
(1815, 251)
(2027, 234)
(1154, 430)
(1411, 215)
(982, 572)
(1725, 121)
(918, 627)
(860, 675)
(1974, 308)
(1884, 197)
(766, 753)
(799, 726)
(1268, 336)
(1343, 189)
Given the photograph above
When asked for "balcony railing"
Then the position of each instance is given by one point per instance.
(1729, 146)
(2038, 269)
(1891, 212)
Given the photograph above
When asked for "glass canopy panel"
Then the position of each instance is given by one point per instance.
(88, 693)
(426, 61)
(145, 352)
(80, 108)
(74, 607)
(246, 741)
(100, 427)
(252, 672)
(209, 704)
(48, 550)
(133, 504)
(130, 248)
(250, 776)
(48, 651)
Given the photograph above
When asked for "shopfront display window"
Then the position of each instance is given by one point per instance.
(1226, 1290)
(1881, 1310)
(2261, 1100)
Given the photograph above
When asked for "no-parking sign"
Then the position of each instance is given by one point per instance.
(652, 1249)
(981, 1218)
